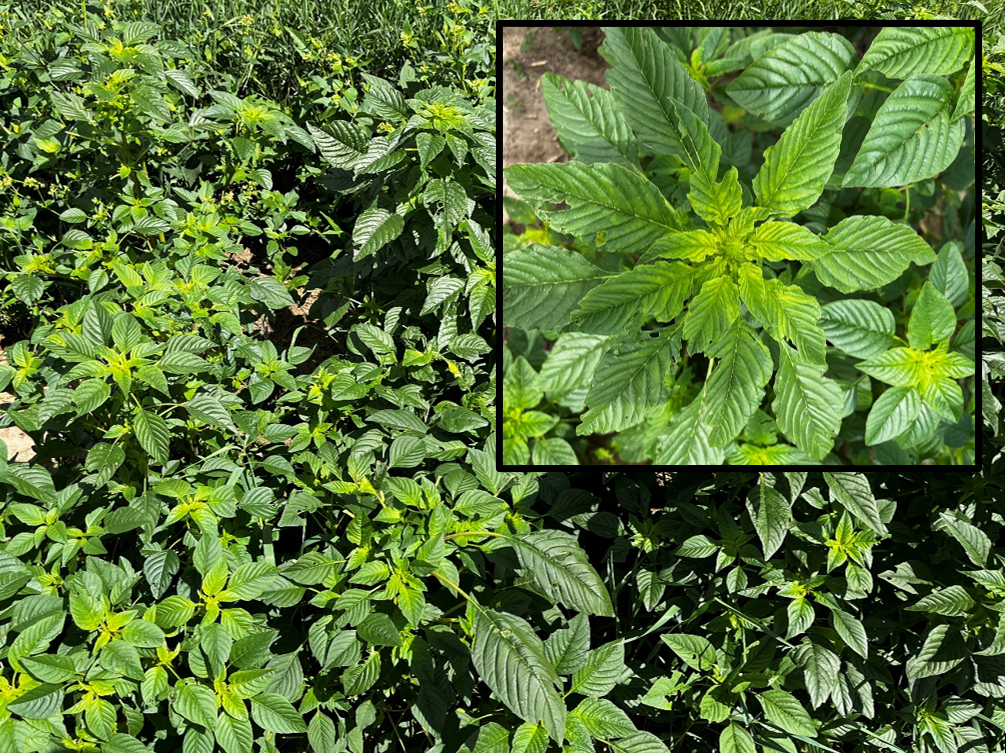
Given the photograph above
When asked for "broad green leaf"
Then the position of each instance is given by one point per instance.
(787, 713)
(966, 100)
(600, 673)
(181, 81)
(711, 314)
(902, 51)
(196, 703)
(953, 601)
(868, 252)
(587, 123)
(898, 366)
(646, 80)
(850, 630)
(795, 170)
(932, 320)
(233, 735)
(639, 742)
(861, 328)
(770, 513)
(696, 546)
(694, 245)
(561, 570)
(509, 657)
(571, 362)
(249, 682)
(715, 705)
(715, 202)
(210, 410)
(686, 439)
(344, 148)
(629, 382)
(274, 713)
(529, 738)
(216, 644)
(143, 634)
(693, 650)
(271, 292)
(853, 491)
(521, 388)
(629, 209)
(40, 702)
(604, 719)
(375, 228)
(153, 434)
(781, 241)
(807, 404)
(379, 629)
(250, 580)
(86, 610)
(737, 385)
(543, 284)
(657, 291)
(52, 668)
(781, 83)
(120, 743)
(912, 136)
(942, 650)
(567, 649)
(820, 669)
(975, 542)
(786, 311)
(949, 275)
(28, 288)
(735, 739)
(700, 150)
(799, 616)
(891, 414)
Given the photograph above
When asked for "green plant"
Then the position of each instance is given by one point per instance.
(666, 236)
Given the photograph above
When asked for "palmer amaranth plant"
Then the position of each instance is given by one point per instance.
(712, 293)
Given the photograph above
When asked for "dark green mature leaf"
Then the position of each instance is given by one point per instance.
(784, 81)
(861, 328)
(912, 137)
(797, 167)
(807, 404)
(629, 381)
(561, 569)
(900, 52)
(543, 284)
(736, 387)
(604, 719)
(953, 602)
(869, 252)
(850, 630)
(853, 491)
(602, 670)
(40, 702)
(566, 649)
(274, 713)
(153, 434)
(892, 414)
(196, 703)
(510, 658)
(602, 197)
(787, 713)
(587, 123)
(770, 513)
(646, 80)
(693, 650)
(736, 739)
